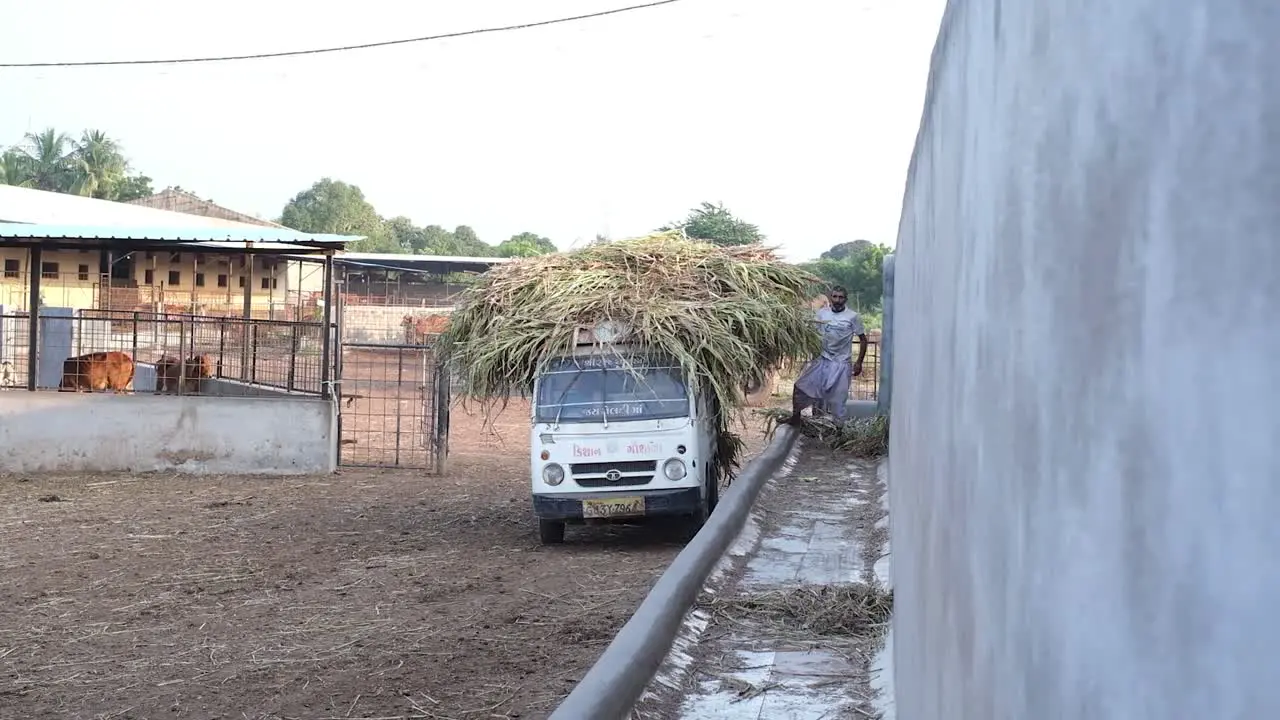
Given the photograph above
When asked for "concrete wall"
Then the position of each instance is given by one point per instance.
(100, 432)
(1085, 493)
(380, 323)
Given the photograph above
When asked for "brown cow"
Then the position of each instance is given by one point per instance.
(97, 372)
(166, 375)
(193, 370)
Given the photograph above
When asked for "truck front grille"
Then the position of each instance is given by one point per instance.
(634, 473)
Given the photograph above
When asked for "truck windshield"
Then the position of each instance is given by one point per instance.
(591, 388)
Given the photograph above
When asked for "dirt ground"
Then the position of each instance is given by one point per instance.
(387, 594)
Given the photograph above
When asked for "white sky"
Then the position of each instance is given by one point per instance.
(799, 115)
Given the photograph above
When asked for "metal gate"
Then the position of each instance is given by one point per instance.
(393, 407)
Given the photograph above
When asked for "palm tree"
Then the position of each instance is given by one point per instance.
(15, 169)
(97, 165)
(48, 164)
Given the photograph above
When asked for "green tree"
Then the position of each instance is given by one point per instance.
(332, 206)
(437, 241)
(406, 236)
(93, 166)
(846, 249)
(860, 271)
(525, 244)
(715, 224)
(15, 169)
(133, 187)
(467, 243)
(46, 160)
(96, 165)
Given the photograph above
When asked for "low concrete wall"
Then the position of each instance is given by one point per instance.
(380, 323)
(101, 432)
(1084, 492)
(222, 387)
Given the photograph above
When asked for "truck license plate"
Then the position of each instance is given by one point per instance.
(613, 507)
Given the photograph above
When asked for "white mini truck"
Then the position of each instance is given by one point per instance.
(619, 434)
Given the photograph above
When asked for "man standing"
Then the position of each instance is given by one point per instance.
(826, 378)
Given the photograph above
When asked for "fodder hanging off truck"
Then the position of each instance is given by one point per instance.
(724, 314)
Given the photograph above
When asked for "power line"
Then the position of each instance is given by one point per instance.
(344, 48)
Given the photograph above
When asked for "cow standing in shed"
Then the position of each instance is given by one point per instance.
(170, 374)
(98, 371)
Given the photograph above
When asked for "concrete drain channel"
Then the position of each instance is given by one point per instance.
(799, 556)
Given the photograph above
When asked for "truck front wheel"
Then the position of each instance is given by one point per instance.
(713, 485)
(551, 532)
(710, 497)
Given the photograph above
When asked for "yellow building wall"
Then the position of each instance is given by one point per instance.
(67, 286)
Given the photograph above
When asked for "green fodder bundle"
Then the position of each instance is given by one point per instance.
(726, 315)
(866, 437)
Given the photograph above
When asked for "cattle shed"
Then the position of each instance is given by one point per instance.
(209, 393)
(387, 297)
(390, 309)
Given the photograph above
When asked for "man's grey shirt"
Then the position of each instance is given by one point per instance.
(838, 331)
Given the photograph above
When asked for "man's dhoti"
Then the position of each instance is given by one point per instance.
(827, 380)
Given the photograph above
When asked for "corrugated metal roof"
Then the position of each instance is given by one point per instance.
(24, 205)
(181, 201)
(40, 215)
(231, 238)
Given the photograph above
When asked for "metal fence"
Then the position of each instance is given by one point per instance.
(393, 406)
(285, 355)
(867, 385)
(13, 350)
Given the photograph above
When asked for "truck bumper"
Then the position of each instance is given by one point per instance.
(657, 503)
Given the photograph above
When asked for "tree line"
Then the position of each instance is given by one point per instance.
(94, 165)
(333, 206)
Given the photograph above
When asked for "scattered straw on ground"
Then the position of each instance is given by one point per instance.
(862, 437)
(853, 610)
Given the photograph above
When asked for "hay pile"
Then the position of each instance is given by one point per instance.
(726, 315)
(861, 437)
(850, 610)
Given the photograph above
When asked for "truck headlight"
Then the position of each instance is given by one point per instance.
(553, 474)
(674, 469)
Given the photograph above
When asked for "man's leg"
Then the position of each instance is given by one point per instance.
(838, 398)
(799, 401)
(799, 398)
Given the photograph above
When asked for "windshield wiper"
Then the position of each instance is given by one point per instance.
(560, 402)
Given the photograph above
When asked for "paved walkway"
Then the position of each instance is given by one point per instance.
(823, 523)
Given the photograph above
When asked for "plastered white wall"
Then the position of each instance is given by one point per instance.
(1086, 408)
(101, 432)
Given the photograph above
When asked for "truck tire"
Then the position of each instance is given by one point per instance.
(713, 487)
(551, 532)
(709, 501)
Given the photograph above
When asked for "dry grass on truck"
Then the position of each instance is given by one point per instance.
(726, 314)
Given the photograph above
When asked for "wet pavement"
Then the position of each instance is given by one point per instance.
(823, 522)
